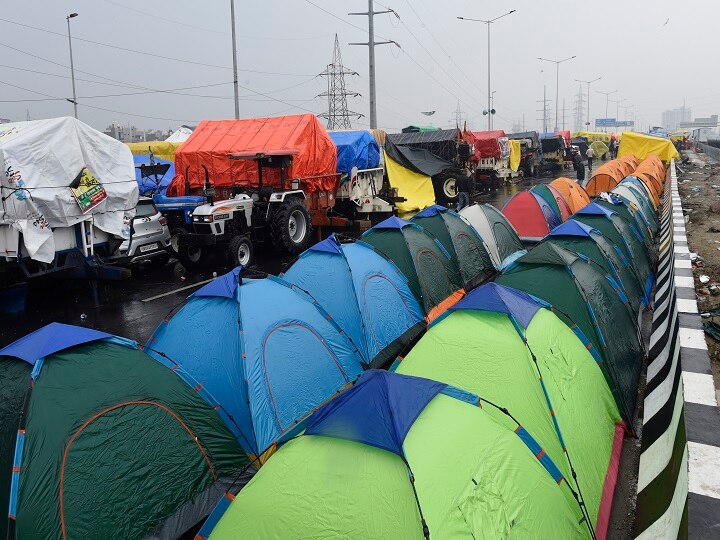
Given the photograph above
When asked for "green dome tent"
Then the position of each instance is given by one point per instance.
(434, 277)
(584, 296)
(460, 240)
(622, 234)
(99, 440)
(630, 212)
(372, 465)
(580, 238)
(504, 345)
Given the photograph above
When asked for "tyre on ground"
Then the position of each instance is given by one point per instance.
(290, 227)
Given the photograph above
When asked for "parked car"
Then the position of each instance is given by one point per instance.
(149, 235)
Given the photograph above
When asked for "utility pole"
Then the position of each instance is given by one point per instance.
(523, 122)
(337, 115)
(72, 66)
(371, 44)
(234, 56)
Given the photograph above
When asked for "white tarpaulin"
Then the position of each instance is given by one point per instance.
(180, 135)
(41, 160)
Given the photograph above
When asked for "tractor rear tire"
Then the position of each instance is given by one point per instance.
(240, 251)
(445, 186)
(290, 227)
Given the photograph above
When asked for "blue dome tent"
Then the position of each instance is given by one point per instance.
(263, 350)
(366, 295)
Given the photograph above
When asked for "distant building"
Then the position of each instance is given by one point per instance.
(5, 120)
(127, 133)
(672, 119)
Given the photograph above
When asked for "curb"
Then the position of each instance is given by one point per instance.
(679, 472)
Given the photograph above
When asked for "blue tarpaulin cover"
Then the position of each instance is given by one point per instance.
(146, 185)
(50, 339)
(378, 410)
(355, 149)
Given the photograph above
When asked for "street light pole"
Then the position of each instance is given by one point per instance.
(607, 100)
(234, 57)
(587, 124)
(72, 66)
(488, 23)
(557, 83)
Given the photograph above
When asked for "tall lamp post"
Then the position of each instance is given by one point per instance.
(72, 66)
(617, 103)
(557, 83)
(587, 124)
(607, 100)
(488, 23)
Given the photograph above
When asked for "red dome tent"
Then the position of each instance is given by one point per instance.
(531, 215)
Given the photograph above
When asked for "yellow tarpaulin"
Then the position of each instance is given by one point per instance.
(644, 145)
(160, 149)
(416, 188)
(600, 149)
(515, 155)
(593, 136)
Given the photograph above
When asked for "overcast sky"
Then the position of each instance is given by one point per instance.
(653, 52)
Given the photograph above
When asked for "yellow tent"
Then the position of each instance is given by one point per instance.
(160, 149)
(515, 155)
(644, 145)
(593, 136)
(416, 188)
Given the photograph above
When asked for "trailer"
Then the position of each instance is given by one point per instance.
(68, 199)
(445, 146)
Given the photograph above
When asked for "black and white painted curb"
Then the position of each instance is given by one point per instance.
(679, 474)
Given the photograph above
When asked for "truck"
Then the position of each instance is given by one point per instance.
(490, 162)
(530, 152)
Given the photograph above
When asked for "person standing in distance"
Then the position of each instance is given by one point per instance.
(462, 184)
(590, 154)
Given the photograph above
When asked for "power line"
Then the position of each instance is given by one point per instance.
(432, 35)
(145, 53)
(210, 30)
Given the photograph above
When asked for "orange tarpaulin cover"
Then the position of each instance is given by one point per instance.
(572, 192)
(315, 157)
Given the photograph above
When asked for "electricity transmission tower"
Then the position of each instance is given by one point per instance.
(544, 110)
(579, 110)
(338, 116)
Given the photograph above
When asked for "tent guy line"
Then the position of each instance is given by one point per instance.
(163, 295)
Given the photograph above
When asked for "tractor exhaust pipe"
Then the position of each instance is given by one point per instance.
(209, 189)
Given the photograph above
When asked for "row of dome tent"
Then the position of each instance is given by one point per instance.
(556, 359)
(259, 361)
(249, 360)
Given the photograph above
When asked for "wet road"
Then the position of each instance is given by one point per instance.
(134, 307)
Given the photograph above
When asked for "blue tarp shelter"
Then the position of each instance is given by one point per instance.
(355, 149)
(367, 295)
(147, 185)
(265, 351)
